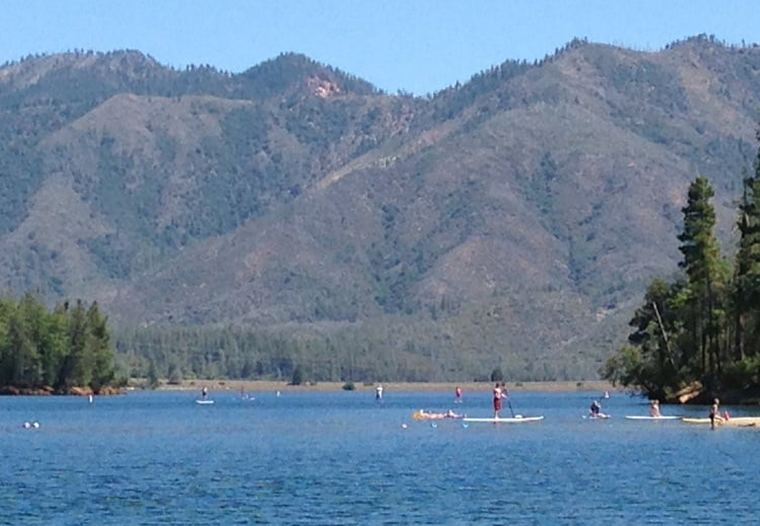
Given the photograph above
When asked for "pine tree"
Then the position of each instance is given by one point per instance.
(80, 353)
(99, 348)
(746, 291)
(704, 270)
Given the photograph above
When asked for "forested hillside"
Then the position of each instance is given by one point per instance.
(512, 221)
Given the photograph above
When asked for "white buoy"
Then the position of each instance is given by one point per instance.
(26, 425)
(278, 393)
(36, 425)
(404, 426)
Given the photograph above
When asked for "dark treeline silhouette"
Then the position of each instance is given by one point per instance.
(54, 350)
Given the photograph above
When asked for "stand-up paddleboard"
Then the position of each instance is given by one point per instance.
(737, 421)
(600, 416)
(505, 420)
(204, 402)
(653, 417)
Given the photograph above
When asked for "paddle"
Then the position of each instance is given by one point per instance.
(509, 403)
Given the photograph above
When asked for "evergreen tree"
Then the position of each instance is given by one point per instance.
(24, 364)
(746, 291)
(52, 344)
(297, 378)
(99, 348)
(153, 381)
(79, 351)
(704, 270)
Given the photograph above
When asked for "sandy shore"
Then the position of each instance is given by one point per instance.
(261, 385)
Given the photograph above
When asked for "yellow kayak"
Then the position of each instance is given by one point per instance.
(737, 421)
(426, 415)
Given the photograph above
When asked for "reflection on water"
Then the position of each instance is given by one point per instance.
(341, 458)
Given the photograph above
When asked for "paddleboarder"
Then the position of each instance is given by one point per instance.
(654, 408)
(379, 393)
(458, 395)
(595, 410)
(204, 393)
(714, 412)
(498, 395)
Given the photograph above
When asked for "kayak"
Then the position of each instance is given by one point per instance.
(737, 421)
(653, 417)
(421, 415)
(505, 420)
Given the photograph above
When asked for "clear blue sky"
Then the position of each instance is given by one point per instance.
(418, 46)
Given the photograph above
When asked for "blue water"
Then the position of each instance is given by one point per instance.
(340, 458)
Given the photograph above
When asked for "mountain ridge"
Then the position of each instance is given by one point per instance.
(521, 213)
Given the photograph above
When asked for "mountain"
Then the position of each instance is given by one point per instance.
(513, 220)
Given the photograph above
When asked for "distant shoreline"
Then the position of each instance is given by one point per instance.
(269, 385)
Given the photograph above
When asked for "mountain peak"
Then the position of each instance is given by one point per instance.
(294, 72)
(33, 68)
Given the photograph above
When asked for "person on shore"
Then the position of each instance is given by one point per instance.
(458, 395)
(498, 395)
(379, 393)
(654, 409)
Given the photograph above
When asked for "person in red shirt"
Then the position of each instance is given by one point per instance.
(498, 394)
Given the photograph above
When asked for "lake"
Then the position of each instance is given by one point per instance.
(341, 458)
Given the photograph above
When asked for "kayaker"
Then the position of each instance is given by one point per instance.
(431, 415)
(654, 408)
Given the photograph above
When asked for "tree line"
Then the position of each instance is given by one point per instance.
(381, 350)
(699, 334)
(54, 350)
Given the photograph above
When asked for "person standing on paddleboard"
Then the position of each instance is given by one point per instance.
(204, 393)
(379, 393)
(714, 412)
(458, 395)
(498, 395)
